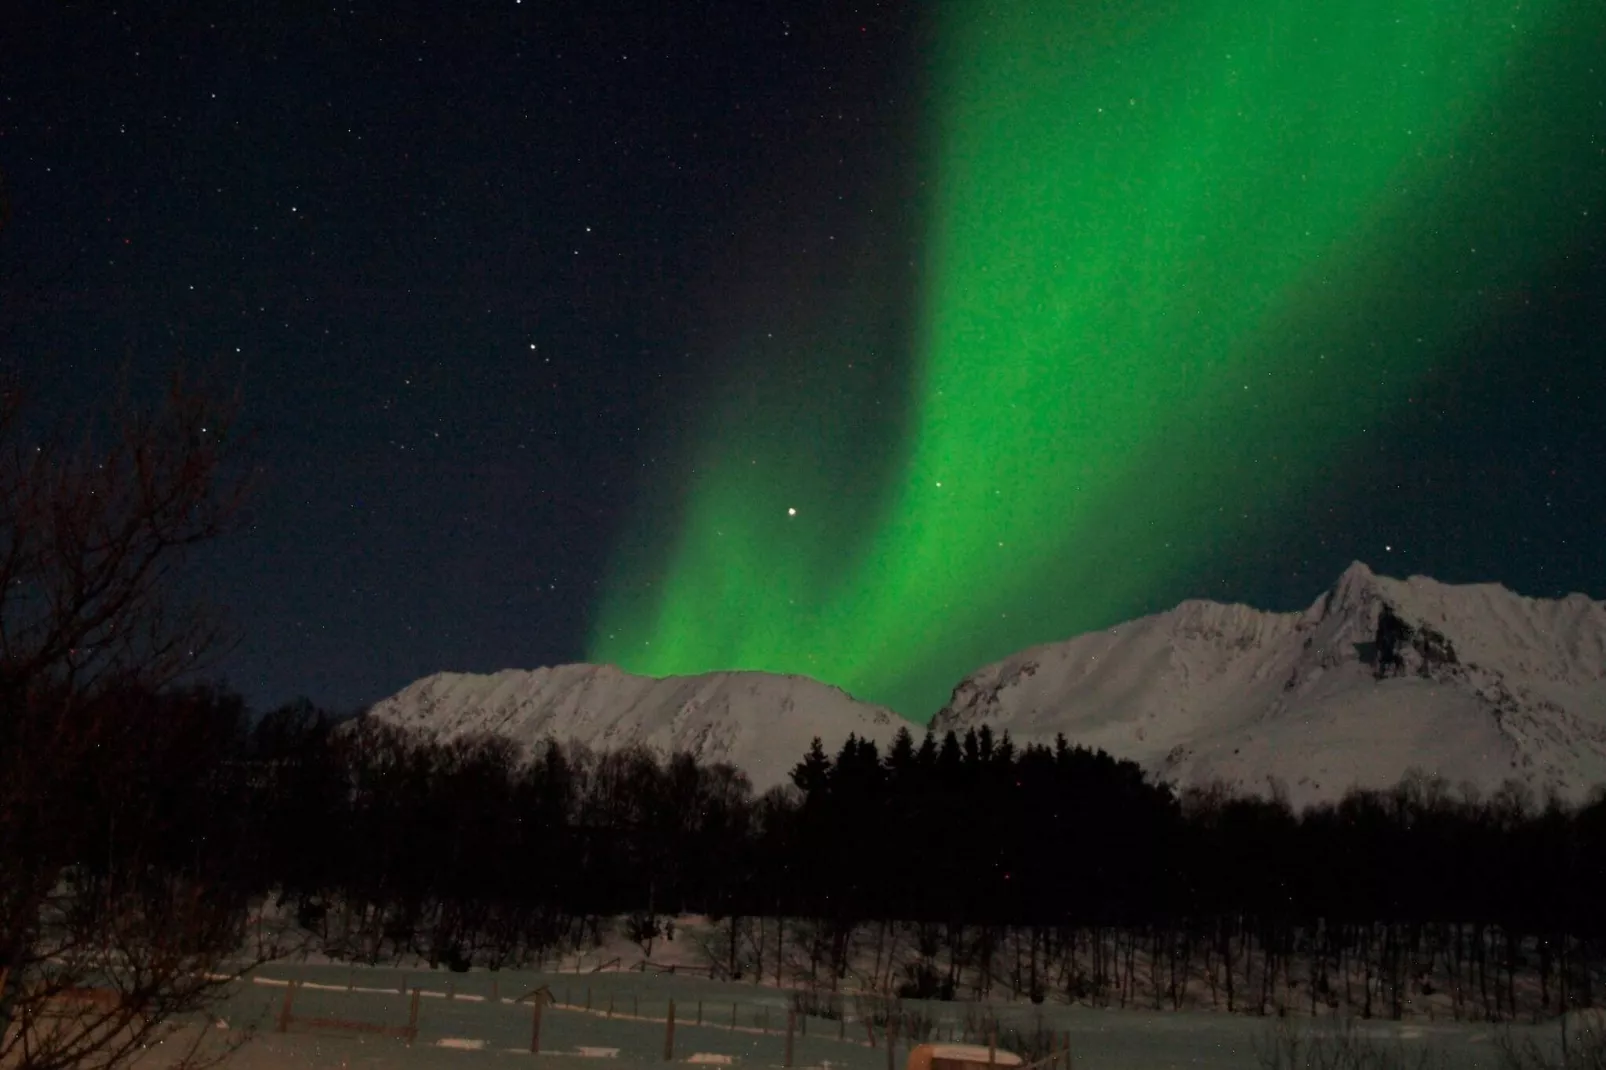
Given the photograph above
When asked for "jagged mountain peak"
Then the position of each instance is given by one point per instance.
(1471, 682)
(1356, 589)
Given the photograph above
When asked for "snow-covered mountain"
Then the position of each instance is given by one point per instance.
(1472, 683)
(762, 723)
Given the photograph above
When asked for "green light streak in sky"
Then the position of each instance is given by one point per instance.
(1177, 254)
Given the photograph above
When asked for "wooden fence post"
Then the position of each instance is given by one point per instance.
(892, 1043)
(588, 997)
(992, 1044)
(610, 1005)
(764, 1020)
(699, 1012)
(842, 1025)
(412, 1018)
(733, 1016)
(535, 1026)
(289, 1002)
(496, 996)
(635, 1005)
(451, 990)
(669, 1034)
(791, 1024)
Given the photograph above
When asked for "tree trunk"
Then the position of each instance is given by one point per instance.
(1224, 934)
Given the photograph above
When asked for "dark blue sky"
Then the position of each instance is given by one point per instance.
(447, 251)
(461, 258)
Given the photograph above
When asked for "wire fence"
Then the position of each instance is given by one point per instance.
(605, 1016)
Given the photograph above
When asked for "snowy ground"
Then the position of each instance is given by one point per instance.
(481, 1024)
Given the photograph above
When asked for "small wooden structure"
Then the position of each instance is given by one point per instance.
(960, 1057)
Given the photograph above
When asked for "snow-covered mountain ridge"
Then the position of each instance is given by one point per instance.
(762, 723)
(1472, 683)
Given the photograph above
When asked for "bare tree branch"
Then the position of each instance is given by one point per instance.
(113, 929)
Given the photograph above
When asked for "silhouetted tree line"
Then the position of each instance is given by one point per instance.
(964, 864)
(1096, 883)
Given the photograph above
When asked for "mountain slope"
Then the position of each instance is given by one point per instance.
(760, 722)
(1473, 683)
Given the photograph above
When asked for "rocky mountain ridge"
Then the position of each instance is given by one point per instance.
(760, 722)
(1471, 683)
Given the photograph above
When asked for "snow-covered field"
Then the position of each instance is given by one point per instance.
(481, 1024)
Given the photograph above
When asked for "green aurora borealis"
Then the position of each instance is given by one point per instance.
(1172, 256)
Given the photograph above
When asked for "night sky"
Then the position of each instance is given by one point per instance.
(866, 341)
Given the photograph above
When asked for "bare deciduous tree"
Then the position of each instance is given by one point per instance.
(110, 931)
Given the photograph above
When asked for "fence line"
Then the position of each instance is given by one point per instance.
(542, 997)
